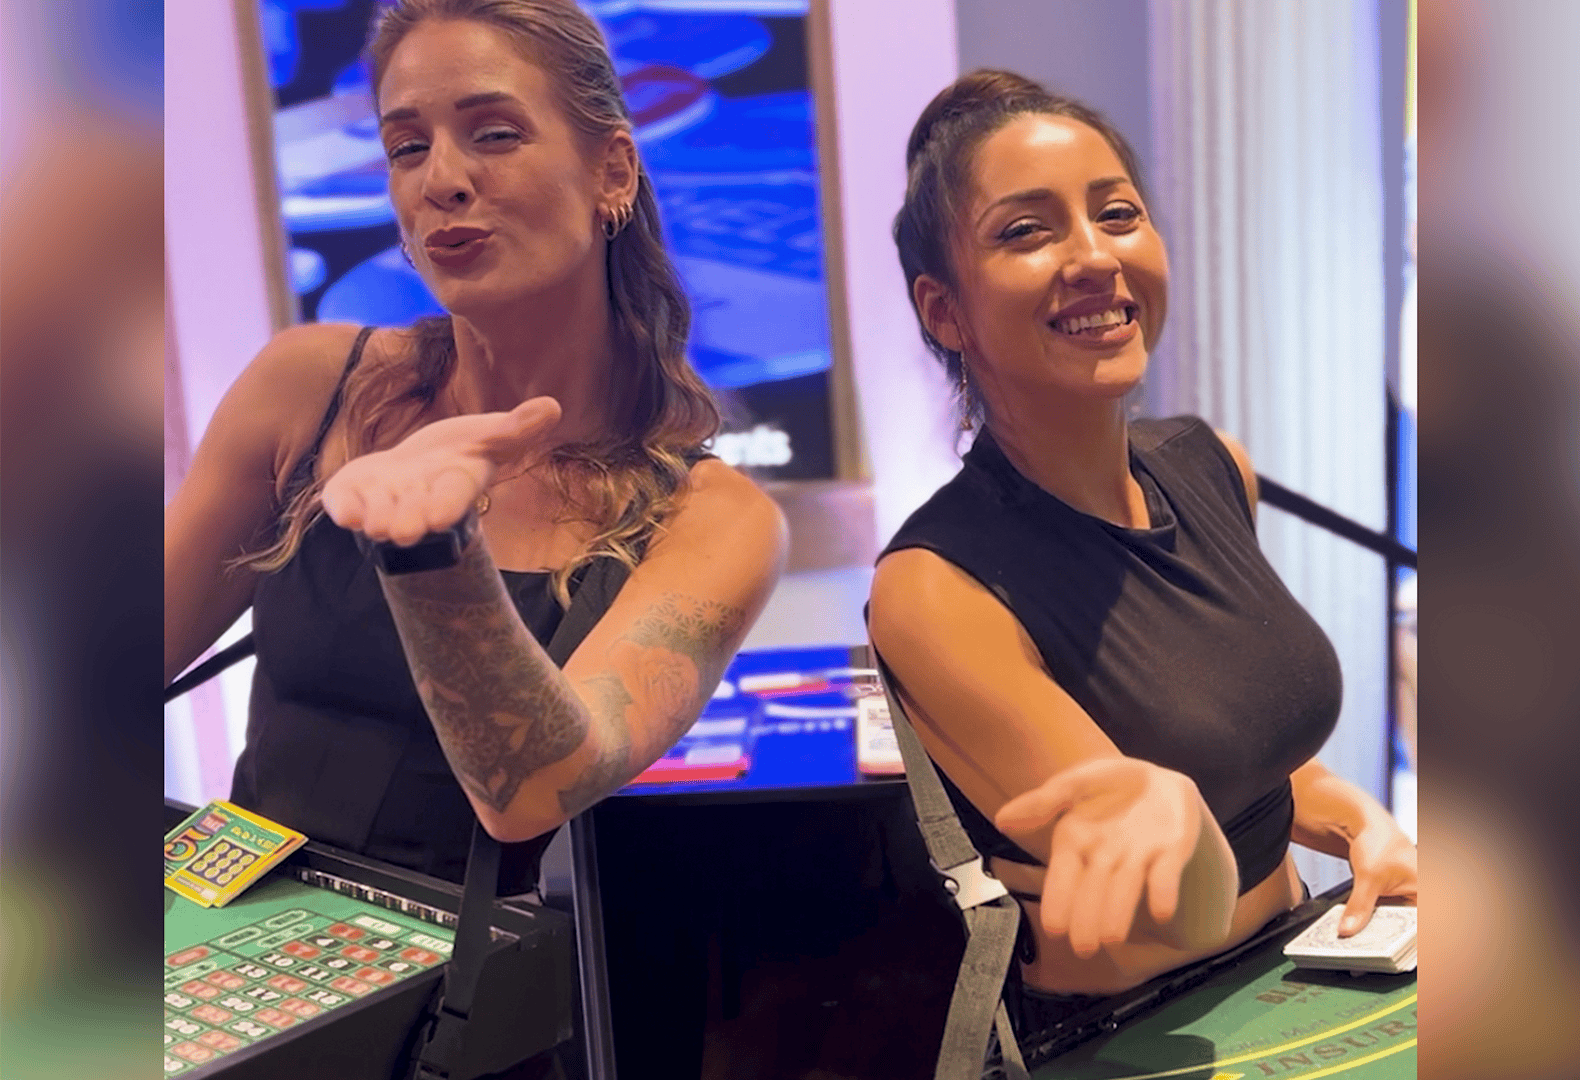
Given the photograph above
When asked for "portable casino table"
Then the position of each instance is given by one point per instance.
(1248, 1014)
(324, 968)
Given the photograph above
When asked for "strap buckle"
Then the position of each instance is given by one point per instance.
(971, 885)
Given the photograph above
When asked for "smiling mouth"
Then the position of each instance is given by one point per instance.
(1097, 323)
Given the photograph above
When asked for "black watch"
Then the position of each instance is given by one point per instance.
(435, 551)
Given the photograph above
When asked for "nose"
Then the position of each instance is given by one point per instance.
(446, 182)
(1089, 261)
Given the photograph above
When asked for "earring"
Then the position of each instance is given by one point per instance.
(965, 397)
(406, 253)
(619, 217)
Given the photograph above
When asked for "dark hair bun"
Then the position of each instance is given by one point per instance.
(984, 88)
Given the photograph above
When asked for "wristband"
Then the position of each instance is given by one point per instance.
(435, 551)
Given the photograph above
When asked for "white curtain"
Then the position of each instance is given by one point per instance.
(1267, 182)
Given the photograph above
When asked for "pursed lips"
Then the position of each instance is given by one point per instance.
(453, 237)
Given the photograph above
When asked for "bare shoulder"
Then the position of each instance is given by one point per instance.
(305, 357)
(925, 610)
(1242, 458)
(914, 579)
(294, 377)
(723, 500)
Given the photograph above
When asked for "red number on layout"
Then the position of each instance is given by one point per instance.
(187, 956)
(375, 976)
(192, 1052)
(288, 984)
(275, 1018)
(219, 1040)
(420, 956)
(350, 933)
(298, 1007)
(209, 1014)
(351, 986)
(360, 954)
(301, 948)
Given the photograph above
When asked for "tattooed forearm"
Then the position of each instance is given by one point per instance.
(613, 768)
(666, 667)
(500, 707)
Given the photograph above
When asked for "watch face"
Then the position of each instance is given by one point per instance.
(433, 552)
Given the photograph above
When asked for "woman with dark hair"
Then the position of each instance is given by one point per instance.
(545, 438)
(1124, 700)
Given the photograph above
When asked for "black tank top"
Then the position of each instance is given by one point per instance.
(1179, 640)
(338, 743)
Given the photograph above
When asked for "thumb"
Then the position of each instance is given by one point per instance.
(534, 415)
(1358, 909)
(1035, 808)
(521, 427)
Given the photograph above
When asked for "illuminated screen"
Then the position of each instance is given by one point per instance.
(722, 106)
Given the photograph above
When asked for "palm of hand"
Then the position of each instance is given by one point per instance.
(431, 478)
(1121, 826)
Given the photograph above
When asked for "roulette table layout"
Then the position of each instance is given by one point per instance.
(1250, 1015)
(324, 969)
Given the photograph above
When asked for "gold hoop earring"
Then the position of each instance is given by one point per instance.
(620, 216)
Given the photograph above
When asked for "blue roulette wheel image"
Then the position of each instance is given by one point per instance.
(708, 45)
(740, 204)
(381, 291)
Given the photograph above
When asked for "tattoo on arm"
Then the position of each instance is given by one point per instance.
(498, 704)
(666, 665)
(503, 711)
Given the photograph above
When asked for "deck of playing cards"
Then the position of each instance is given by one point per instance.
(1386, 944)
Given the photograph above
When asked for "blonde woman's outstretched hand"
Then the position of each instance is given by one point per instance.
(428, 481)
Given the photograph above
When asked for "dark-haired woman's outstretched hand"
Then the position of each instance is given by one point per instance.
(1124, 830)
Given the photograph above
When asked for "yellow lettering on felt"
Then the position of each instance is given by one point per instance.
(1226, 1076)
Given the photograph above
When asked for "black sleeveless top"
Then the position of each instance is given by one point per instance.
(1179, 640)
(339, 745)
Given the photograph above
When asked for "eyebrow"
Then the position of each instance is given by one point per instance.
(471, 101)
(1032, 195)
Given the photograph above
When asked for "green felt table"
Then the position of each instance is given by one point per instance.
(1261, 1018)
(281, 954)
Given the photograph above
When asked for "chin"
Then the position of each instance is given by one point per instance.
(1116, 377)
(469, 299)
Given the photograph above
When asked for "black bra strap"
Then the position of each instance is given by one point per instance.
(302, 475)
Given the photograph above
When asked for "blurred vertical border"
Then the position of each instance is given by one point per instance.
(81, 346)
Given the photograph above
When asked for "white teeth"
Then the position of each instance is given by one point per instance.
(1111, 317)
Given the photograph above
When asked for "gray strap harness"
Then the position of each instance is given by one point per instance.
(992, 917)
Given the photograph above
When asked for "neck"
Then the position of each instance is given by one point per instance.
(559, 343)
(1078, 451)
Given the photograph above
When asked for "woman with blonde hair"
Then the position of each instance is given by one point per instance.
(492, 569)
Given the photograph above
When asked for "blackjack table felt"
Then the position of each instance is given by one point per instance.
(1249, 1015)
(325, 967)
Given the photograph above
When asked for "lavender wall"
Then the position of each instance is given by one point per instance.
(1093, 50)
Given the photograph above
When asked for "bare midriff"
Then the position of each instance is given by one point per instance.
(1115, 968)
